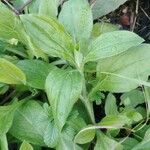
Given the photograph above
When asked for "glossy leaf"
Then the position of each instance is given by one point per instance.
(76, 16)
(63, 88)
(103, 7)
(36, 72)
(11, 74)
(26, 146)
(111, 44)
(124, 72)
(110, 105)
(30, 123)
(48, 36)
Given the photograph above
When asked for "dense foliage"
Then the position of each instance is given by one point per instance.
(55, 64)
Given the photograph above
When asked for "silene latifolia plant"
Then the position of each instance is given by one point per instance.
(56, 65)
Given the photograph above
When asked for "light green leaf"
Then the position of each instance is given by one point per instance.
(103, 27)
(6, 117)
(111, 44)
(124, 72)
(26, 146)
(76, 16)
(44, 7)
(110, 105)
(132, 98)
(36, 72)
(105, 143)
(49, 36)
(63, 88)
(84, 136)
(9, 23)
(103, 7)
(30, 123)
(11, 74)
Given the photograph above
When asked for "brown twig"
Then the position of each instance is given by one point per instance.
(11, 7)
(145, 13)
(135, 17)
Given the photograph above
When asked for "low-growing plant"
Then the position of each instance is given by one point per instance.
(55, 64)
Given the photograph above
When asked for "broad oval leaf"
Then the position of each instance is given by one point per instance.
(76, 16)
(25, 146)
(111, 44)
(11, 74)
(103, 7)
(124, 72)
(36, 72)
(30, 123)
(49, 36)
(63, 88)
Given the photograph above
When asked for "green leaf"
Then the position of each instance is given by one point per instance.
(110, 105)
(124, 72)
(104, 143)
(36, 72)
(26, 146)
(11, 74)
(76, 16)
(63, 88)
(31, 123)
(132, 98)
(9, 23)
(3, 142)
(103, 7)
(129, 143)
(84, 136)
(48, 36)
(44, 7)
(6, 117)
(111, 44)
(145, 144)
(103, 27)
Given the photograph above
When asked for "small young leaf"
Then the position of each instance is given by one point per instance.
(36, 72)
(26, 146)
(111, 44)
(103, 7)
(110, 105)
(76, 16)
(11, 74)
(84, 136)
(49, 36)
(63, 88)
(132, 98)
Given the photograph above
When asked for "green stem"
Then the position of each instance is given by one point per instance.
(87, 103)
(3, 142)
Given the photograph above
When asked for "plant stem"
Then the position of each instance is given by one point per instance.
(87, 103)
(3, 142)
